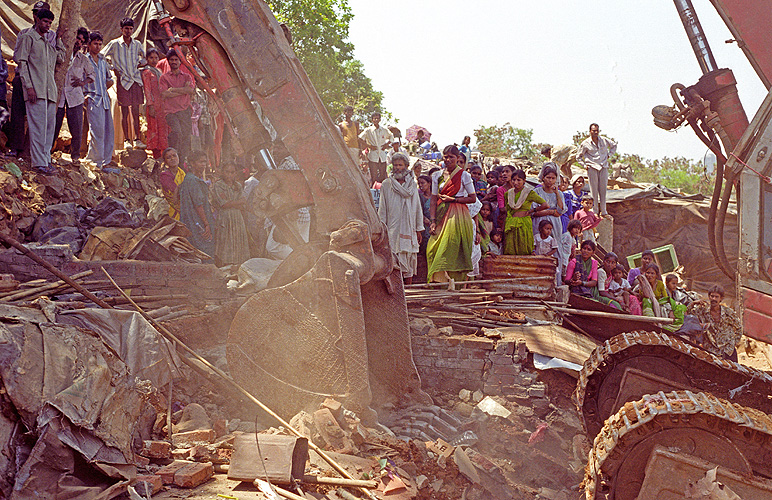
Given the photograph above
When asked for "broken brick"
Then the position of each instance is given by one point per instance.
(156, 449)
(167, 472)
(181, 453)
(193, 474)
(332, 433)
(149, 484)
(190, 438)
(335, 407)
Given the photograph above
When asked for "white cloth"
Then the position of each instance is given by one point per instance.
(618, 288)
(41, 117)
(595, 156)
(467, 186)
(377, 139)
(400, 209)
(602, 279)
(566, 242)
(543, 247)
(392, 153)
(81, 69)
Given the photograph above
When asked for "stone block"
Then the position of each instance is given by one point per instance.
(506, 369)
(148, 484)
(191, 438)
(537, 390)
(167, 472)
(505, 348)
(193, 474)
(156, 449)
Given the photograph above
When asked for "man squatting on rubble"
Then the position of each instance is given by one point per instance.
(593, 155)
(401, 210)
(37, 59)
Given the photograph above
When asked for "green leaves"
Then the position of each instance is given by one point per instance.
(505, 141)
(320, 39)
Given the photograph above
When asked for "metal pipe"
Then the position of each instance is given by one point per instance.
(696, 36)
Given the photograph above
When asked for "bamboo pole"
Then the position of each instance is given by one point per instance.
(226, 378)
(41, 288)
(601, 314)
(53, 270)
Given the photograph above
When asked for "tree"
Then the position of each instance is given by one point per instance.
(320, 38)
(68, 26)
(505, 141)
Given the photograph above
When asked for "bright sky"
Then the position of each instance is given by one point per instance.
(552, 66)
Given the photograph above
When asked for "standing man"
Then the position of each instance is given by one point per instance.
(401, 210)
(195, 211)
(177, 87)
(350, 130)
(79, 74)
(126, 56)
(18, 108)
(396, 147)
(377, 139)
(101, 132)
(37, 62)
(593, 154)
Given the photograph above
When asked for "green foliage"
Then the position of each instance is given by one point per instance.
(675, 173)
(505, 141)
(320, 38)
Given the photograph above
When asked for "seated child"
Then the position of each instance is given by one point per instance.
(620, 288)
(494, 245)
(544, 243)
(588, 218)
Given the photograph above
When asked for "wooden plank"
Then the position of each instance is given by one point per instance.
(554, 341)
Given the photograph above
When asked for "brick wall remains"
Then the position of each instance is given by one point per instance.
(199, 281)
(494, 366)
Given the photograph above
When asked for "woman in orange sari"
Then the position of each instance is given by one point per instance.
(449, 250)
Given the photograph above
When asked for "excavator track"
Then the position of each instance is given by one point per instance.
(627, 366)
(698, 424)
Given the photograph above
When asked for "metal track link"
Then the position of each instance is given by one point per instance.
(701, 370)
(636, 423)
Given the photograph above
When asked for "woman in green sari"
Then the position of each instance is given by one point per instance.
(518, 228)
(449, 250)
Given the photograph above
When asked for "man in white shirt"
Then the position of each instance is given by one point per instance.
(377, 140)
(593, 154)
(126, 55)
(396, 147)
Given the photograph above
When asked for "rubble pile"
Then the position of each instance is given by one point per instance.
(25, 194)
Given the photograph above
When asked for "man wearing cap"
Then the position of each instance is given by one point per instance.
(18, 109)
(396, 147)
(126, 56)
(37, 62)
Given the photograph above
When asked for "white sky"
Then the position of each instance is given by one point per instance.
(553, 66)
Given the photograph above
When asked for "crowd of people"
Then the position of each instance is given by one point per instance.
(442, 222)
(137, 76)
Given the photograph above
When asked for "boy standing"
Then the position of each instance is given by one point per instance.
(177, 87)
(127, 56)
(101, 133)
(377, 140)
(588, 218)
(195, 211)
(79, 74)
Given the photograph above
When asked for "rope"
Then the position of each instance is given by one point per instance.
(762, 176)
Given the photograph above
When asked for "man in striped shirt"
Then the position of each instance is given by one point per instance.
(126, 56)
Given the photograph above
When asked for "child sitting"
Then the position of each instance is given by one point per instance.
(620, 288)
(545, 244)
(494, 246)
(588, 218)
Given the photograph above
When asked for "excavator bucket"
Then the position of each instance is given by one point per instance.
(322, 336)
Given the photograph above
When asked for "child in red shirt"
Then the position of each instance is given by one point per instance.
(588, 218)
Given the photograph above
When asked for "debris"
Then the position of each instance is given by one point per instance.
(282, 458)
(193, 418)
(538, 435)
(191, 438)
(709, 488)
(193, 474)
(156, 449)
(491, 407)
(465, 465)
(465, 395)
(477, 396)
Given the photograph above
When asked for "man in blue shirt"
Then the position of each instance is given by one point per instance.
(101, 133)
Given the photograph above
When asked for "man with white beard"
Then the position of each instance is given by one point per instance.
(400, 209)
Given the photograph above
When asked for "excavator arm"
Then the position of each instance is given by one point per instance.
(333, 322)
